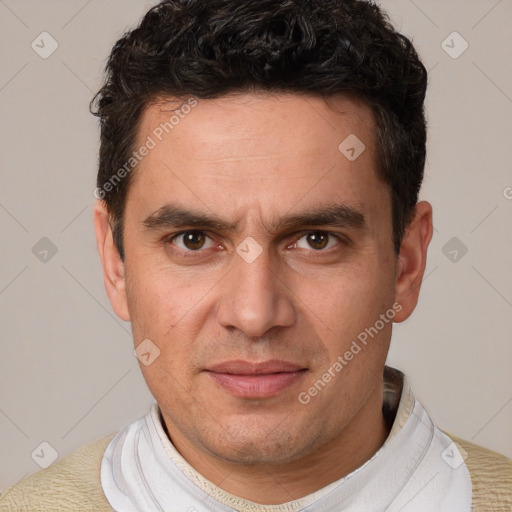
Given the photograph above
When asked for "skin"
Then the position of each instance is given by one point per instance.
(254, 158)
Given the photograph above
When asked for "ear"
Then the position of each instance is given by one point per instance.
(412, 260)
(113, 266)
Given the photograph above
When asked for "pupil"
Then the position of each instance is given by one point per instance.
(194, 240)
(317, 240)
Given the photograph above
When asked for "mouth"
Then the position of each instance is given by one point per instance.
(244, 379)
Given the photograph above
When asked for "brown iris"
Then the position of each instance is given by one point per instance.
(193, 240)
(317, 239)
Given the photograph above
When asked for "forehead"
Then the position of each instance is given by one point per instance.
(257, 151)
(230, 125)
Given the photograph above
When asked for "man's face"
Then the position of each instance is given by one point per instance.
(252, 311)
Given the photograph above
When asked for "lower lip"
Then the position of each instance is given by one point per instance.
(256, 386)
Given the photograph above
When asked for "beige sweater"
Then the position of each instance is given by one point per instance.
(73, 483)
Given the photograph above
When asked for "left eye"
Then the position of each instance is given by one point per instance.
(317, 240)
(192, 240)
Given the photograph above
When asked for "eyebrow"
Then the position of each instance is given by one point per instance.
(336, 215)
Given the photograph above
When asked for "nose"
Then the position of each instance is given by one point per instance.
(253, 299)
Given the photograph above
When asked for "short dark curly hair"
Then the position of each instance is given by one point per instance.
(207, 49)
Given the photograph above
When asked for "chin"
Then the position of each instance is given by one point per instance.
(254, 454)
(256, 446)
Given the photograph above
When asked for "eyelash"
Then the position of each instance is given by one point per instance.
(194, 254)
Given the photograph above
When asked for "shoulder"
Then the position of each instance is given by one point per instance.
(491, 476)
(71, 484)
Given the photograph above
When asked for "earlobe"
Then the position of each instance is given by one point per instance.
(113, 266)
(412, 260)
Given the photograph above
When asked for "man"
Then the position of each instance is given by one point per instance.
(259, 226)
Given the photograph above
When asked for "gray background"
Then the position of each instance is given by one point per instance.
(67, 370)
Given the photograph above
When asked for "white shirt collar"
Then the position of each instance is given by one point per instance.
(142, 470)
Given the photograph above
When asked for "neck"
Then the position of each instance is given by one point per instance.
(276, 484)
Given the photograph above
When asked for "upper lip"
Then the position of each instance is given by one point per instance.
(241, 367)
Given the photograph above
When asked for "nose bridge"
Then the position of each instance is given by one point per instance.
(253, 298)
(257, 275)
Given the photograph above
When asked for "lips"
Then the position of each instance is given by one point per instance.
(244, 379)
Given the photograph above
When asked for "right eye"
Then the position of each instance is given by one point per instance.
(192, 240)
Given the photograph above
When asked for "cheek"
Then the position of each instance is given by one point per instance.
(169, 309)
(163, 313)
(347, 315)
(346, 300)
(161, 299)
